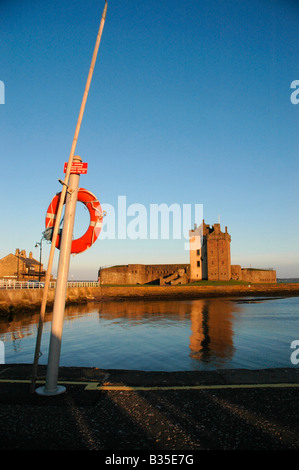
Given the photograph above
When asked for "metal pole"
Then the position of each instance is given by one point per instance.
(61, 202)
(40, 257)
(40, 260)
(51, 387)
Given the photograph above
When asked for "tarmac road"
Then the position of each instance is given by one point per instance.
(134, 411)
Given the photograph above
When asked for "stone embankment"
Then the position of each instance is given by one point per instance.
(14, 300)
(193, 292)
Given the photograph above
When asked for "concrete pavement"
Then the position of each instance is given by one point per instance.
(135, 411)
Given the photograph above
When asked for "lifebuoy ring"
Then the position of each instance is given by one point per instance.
(96, 220)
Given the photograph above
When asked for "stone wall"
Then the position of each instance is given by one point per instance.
(252, 275)
(142, 273)
(172, 274)
(236, 272)
(258, 275)
(31, 299)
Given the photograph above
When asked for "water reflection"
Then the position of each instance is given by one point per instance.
(206, 327)
(211, 322)
(212, 330)
(22, 325)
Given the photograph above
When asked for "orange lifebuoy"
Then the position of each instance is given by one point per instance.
(96, 220)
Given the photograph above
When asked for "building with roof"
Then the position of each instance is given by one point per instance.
(20, 267)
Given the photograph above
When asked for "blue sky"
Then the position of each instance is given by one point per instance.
(189, 104)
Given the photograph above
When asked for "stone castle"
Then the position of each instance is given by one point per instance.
(210, 259)
(209, 253)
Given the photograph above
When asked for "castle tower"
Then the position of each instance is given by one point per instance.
(218, 254)
(198, 252)
(209, 253)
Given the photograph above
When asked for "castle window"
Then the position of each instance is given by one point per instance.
(198, 263)
(198, 252)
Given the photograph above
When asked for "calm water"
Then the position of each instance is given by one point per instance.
(165, 335)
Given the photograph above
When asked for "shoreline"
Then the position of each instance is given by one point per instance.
(29, 300)
(195, 291)
(152, 378)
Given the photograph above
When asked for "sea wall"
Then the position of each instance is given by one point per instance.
(193, 292)
(13, 300)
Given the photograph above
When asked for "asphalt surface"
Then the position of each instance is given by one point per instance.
(124, 413)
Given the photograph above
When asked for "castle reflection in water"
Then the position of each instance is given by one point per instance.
(210, 322)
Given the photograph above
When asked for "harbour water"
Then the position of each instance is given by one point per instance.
(204, 334)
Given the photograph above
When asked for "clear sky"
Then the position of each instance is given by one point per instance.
(190, 103)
